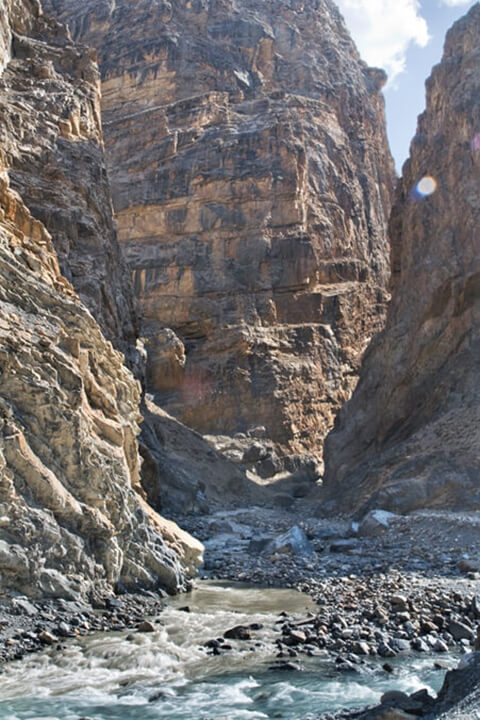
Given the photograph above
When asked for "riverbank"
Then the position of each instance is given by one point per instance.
(382, 595)
(28, 626)
(410, 585)
(174, 672)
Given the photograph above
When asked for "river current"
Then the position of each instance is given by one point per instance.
(168, 674)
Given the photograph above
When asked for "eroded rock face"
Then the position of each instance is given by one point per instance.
(410, 435)
(73, 518)
(53, 140)
(251, 181)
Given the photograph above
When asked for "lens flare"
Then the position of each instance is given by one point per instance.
(426, 186)
(476, 143)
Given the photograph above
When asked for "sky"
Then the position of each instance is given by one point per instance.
(406, 38)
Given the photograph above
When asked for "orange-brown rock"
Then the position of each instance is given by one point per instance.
(251, 181)
(73, 518)
(410, 436)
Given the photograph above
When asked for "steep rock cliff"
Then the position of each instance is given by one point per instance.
(50, 132)
(410, 436)
(73, 518)
(251, 181)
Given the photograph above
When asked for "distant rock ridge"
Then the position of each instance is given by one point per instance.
(73, 517)
(410, 436)
(252, 182)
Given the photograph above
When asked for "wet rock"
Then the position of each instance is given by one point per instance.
(160, 695)
(285, 665)
(461, 687)
(295, 637)
(384, 650)
(395, 697)
(346, 666)
(361, 648)
(47, 638)
(391, 714)
(239, 632)
(440, 646)
(400, 645)
(64, 630)
(420, 645)
(423, 698)
(146, 627)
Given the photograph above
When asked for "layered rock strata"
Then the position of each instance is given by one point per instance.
(73, 518)
(251, 182)
(410, 435)
(50, 132)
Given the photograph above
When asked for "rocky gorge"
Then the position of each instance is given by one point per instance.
(251, 181)
(192, 365)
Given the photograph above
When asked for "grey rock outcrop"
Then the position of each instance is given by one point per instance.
(410, 436)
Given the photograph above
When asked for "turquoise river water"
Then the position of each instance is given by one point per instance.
(167, 674)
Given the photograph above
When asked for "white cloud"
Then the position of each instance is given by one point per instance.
(454, 3)
(383, 30)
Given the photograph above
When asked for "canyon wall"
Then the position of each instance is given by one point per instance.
(410, 436)
(251, 181)
(52, 138)
(73, 517)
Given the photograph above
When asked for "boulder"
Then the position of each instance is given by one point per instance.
(375, 523)
(294, 541)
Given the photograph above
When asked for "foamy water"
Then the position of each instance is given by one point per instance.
(167, 673)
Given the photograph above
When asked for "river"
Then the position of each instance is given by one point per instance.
(168, 674)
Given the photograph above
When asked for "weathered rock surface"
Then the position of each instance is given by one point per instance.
(410, 435)
(73, 519)
(251, 181)
(52, 138)
(181, 473)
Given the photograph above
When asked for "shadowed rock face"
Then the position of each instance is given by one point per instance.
(410, 435)
(73, 519)
(251, 180)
